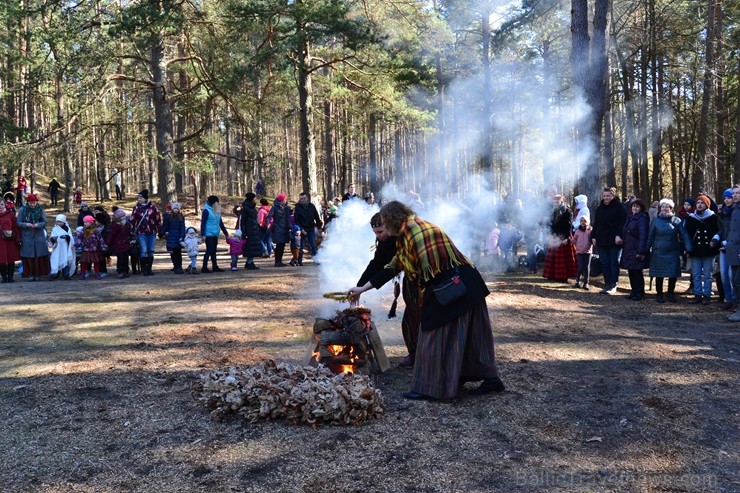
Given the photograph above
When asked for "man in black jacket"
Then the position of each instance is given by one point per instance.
(608, 222)
(307, 217)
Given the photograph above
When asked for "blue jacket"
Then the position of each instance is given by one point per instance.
(211, 223)
(174, 228)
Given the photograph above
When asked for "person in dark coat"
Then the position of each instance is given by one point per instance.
(456, 340)
(53, 190)
(608, 221)
(667, 239)
(307, 217)
(119, 242)
(703, 227)
(634, 252)
(279, 216)
(84, 211)
(173, 229)
(250, 230)
(732, 247)
(725, 269)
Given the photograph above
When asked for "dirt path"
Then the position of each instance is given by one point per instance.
(604, 394)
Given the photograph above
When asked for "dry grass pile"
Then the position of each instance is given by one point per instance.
(298, 394)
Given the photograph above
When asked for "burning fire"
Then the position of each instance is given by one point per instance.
(335, 350)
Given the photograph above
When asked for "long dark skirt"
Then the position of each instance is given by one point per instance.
(560, 263)
(411, 317)
(36, 267)
(463, 347)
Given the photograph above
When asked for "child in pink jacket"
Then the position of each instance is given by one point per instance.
(582, 242)
(236, 246)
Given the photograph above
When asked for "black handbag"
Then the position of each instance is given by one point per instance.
(448, 287)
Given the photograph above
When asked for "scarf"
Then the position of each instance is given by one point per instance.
(424, 251)
(32, 215)
(90, 231)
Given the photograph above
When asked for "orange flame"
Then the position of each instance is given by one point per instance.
(335, 349)
(348, 369)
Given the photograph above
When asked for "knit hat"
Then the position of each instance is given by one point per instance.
(88, 219)
(32, 198)
(83, 204)
(727, 193)
(690, 200)
(704, 199)
(119, 214)
(176, 205)
(61, 218)
(144, 194)
(281, 197)
(667, 201)
(212, 199)
(250, 197)
(238, 233)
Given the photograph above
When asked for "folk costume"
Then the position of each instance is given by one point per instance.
(560, 262)
(34, 250)
(456, 342)
(10, 235)
(63, 256)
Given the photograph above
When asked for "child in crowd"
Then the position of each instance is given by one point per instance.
(63, 251)
(584, 248)
(236, 246)
(190, 244)
(92, 247)
(492, 250)
(295, 244)
(119, 241)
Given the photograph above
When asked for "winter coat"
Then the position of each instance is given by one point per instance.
(173, 228)
(145, 219)
(262, 213)
(307, 216)
(236, 246)
(211, 223)
(582, 240)
(92, 243)
(33, 240)
(703, 230)
(733, 237)
(582, 210)
(250, 230)
(608, 222)
(9, 247)
(724, 215)
(119, 239)
(667, 238)
(560, 222)
(62, 249)
(635, 234)
(280, 215)
(191, 245)
(82, 213)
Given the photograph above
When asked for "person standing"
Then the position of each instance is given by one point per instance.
(251, 231)
(211, 226)
(146, 222)
(53, 190)
(173, 229)
(279, 217)
(350, 193)
(667, 239)
(118, 244)
(560, 262)
(118, 182)
(703, 228)
(264, 227)
(634, 254)
(732, 247)
(63, 256)
(10, 237)
(307, 217)
(456, 341)
(725, 269)
(34, 250)
(608, 222)
(20, 190)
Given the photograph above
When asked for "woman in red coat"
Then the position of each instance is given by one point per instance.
(9, 237)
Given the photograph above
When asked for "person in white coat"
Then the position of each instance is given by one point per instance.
(580, 210)
(61, 242)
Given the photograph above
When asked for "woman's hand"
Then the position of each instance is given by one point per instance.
(355, 292)
(618, 240)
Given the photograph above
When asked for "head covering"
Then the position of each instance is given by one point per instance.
(119, 214)
(251, 196)
(83, 204)
(264, 201)
(176, 205)
(238, 233)
(99, 208)
(144, 194)
(190, 230)
(281, 197)
(581, 201)
(88, 219)
(369, 195)
(667, 201)
(32, 198)
(690, 200)
(61, 218)
(212, 199)
(587, 218)
(705, 199)
(727, 193)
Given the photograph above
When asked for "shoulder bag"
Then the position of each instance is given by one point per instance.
(448, 287)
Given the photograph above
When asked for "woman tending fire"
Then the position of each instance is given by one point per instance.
(455, 327)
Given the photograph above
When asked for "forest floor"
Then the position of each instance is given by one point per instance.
(603, 393)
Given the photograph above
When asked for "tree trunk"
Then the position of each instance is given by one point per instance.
(163, 123)
(699, 176)
(308, 144)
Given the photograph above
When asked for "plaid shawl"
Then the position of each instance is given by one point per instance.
(423, 251)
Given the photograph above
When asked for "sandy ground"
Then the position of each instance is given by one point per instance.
(604, 394)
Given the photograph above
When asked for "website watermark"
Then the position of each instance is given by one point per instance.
(681, 481)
